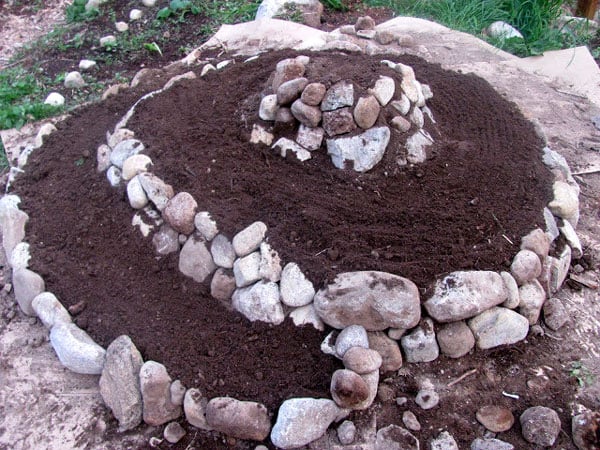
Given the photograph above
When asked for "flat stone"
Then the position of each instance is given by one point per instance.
(180, 212)
(351, 336)
(538, 242)
(495, 418)
(401, 124)
(346, 432)
(313, 94)
(384, 90)
(222, 285)
(286, 70)
(135, 194)
(565, 203)
(303, 420)
(249, 239)
(286, 146)
(540, 425)
(375, 300)
(238, 419)
(420, 345)
(306, 315)
(173, 432)
(296, 289)
(134, 165)
(54, 99)
(572, 239)
(74, 80)
(560, 269)
(498, 326)
(526, 266)
(532, 296)
(310, 138)
(339, 95)
(156, 189)
(27, 286)
(455, 339)
(194, 407)
(512, 291)
(259, 302)
(444, 441)
(364, 151)
(338, 122)
(388, 349)
(222, 251)
(124, 149)
(166, 240)
(120, 383)
(268, 107)
(49, 310)
(246, 269)
(348, 389)
(366, 112)
(555, 313)
(270, 263)
(205, 225)
(306, 114)
(490, 444)
(155, 385)
(416, 146)
(290, 90)
(461, 295)
(362, 360)
(402, 105)
(394, 437)
(366, 34)
(76, 350)
(195, 260)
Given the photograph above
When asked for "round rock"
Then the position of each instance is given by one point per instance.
(173, 432)
(352, 336)
(346, 432)
(495, 418)
(313, 94)
(348, 389)
(410, 421)
(525, 267)
(366, 112)
(540, 425)
(306, 114)
(180, 212)
(362, 360)
(455, 339)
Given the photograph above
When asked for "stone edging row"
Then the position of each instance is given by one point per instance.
(137, 390)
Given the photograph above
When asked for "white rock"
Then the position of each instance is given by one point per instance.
(194, 407)
(444, 441)
(155, 384)
(461, 295)
(420, 345)
(270, 263)
(249, 239)
(76, 350)
(103, 157)
(416, 117)
(74, 80)
(166, 240)
(113, 175)
(20, 256)
(149, 3)
(498, 326)
(532, 297)
(384, 90)
(572, 239)
(222, 251)
(268, 107)
(259, 302)
(512, 291)
(286, 145)
(121, 27)
(246, 269)
(260, 136)
(135, 14)
(27, 285)
(108, 41)
(119, 135)
(402, 105)
(565, 203)
(208, 68)
(364, 150)
(195, 260)
(351, 336)
(503, 30)
(310, 138)
(125, 149)
(205, 225)
(490, 444)
(49, 310)
(337, 96)
(156, 189)
(296, 289)
(12, 222)
(54, 99)
(135, 165)
(306, 315)
(135, 194)
(416, 145)
(303, 420)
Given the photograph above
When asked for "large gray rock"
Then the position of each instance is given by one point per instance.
(124, 150)
(455, 339)
(249, 239)
(383, 90)
(303, 420)
(461, 295)
(540, 425)
(420, 345)
(498, 326)
(27, 285)
(296, 289)
(12, 222)
(259, 302)
(76, 350)
(195, 260)
(394, 437)
(222, 251)
(49, 310)
(155, 385)
(246, 269)
(532, 297)
(242, 420)
(120, 382)
(180, 212)
(364, 151)
(565, 203)
(194, 407)
(526, 266)
(156, 189)
(339, 95)
(375, 300)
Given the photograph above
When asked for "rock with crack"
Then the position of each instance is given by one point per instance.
(259, 302)
(364, 151)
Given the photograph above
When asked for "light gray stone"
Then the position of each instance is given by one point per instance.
(120, 382)
(394, 437)
(118, 136)
(54, 99)
(49, 310)
(173, 432)
(572, 239)
(166, 240)
(346, 432)
(427, 398)
(416, 145)
(103, 158)
(12, 221)
(351, 336)
(313, 94)
(239, 419)
(268, 107)
(121, 27)
(156, 189)
(551, 227)
(113, 175)
(532, 297)
(155, 384)
(222, 251)
(303, 420)
(108, 40)
(402, 105)
(362, 360)
(385, 37)
(194, 407)
(538, 242)
(540, 425)
(461, 295)
(135, 14)
(526, 266)
(284, 114)
(388, 349)
(260, 135)
(246, 269)
(416, 117)
(76, 350)
(310, 138)
(20, 256)
(410, 421)
(249, 239)
(364, 151)
(375, 300)
(306, 315)
(286, 146)
(259, 302)
(135, 194)
(512, 291)
(555, 313)
(490, 444)
(498, 326)
(444, 441)
(420, 345)
(125, 149)
(74, 80)
(177, 392)
(134, 165)
(455, 339)
(296, 289)
(565, 203)
(339, 95)
(222, 285)
(205, 225)
(503, 30)
(27, 285)
(270, 263)
(366, 112)
(383, 90)
(195, 260)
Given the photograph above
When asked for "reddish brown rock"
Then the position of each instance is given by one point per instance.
(313, 94)
(180, 212)
(338, 122)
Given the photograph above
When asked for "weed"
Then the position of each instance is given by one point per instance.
(153, 47)
(4, 165)
(178, 9)
(77, 12)
(338, 5)
(581, 373)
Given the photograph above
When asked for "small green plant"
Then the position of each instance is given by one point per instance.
(178, 9)
(3, 158)
(337, 5)
(152, 47)
(581, 373)
(77, 12)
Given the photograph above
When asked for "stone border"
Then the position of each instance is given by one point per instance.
(534, 277)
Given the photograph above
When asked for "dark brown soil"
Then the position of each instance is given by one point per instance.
(483, 186)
